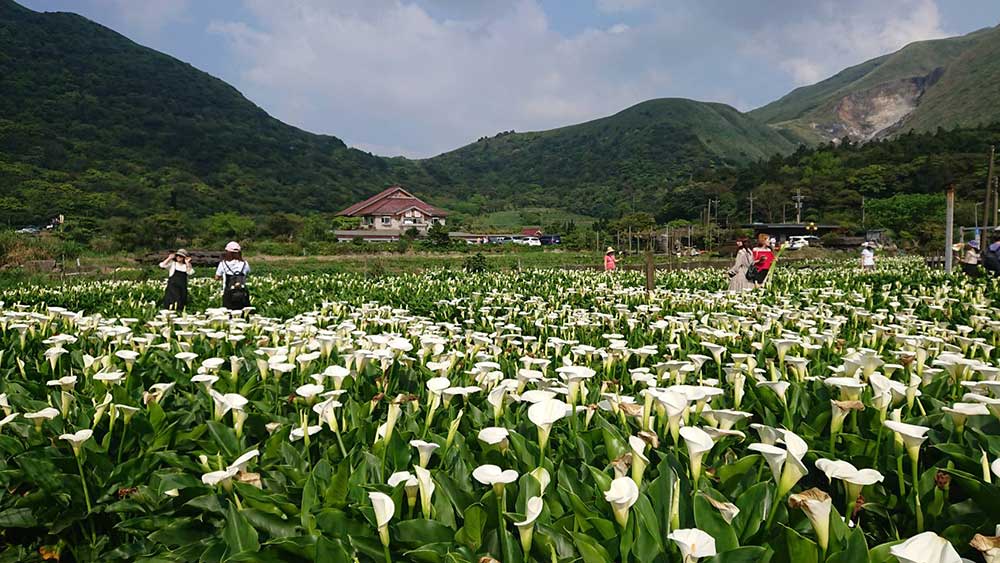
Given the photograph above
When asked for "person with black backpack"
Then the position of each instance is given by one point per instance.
(233, 271)
(991, 256)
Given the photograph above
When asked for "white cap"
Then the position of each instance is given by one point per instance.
(233, 246)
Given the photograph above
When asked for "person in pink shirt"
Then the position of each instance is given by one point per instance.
(609, 260)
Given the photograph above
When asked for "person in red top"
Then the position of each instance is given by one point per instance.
(609, 260)
(763, 257)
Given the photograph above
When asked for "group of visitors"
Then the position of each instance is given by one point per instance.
(232, 271)
(974, 257)
(752, 263)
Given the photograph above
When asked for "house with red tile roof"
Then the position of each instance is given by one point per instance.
(386, 216)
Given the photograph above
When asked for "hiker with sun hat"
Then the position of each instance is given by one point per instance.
(609, 260)
(178, 266)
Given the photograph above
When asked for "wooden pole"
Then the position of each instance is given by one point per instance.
(989, 192)
(650, 272)
(949, 226)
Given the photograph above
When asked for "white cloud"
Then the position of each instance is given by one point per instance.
(814, 44)
(419, 77)
(361, 69)
(621, 5)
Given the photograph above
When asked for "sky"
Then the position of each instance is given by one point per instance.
(420, 77)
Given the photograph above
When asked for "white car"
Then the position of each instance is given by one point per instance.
(531, 241)
(797, 242)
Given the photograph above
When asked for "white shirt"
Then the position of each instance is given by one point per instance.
(231, 267)
(867, 257)
(171, 267)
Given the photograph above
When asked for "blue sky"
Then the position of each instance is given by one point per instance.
(419, 77)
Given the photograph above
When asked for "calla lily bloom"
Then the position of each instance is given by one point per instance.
(426, 486)
(817, 506)
(533, 509)
(693, 544)
(410, 485)
(622, 495)
(385, 509)
(698, 443)
(926, 547)
(989, 546)
(544, 414)
(77, 439)
(424, 449)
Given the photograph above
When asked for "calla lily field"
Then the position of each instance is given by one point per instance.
(539, 415)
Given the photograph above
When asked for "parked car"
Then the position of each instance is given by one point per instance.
(28, 231)
(797, 242)
(530, 241)
(547, 240)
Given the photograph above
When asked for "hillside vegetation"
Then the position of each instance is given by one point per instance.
(138, 149)
(923, 86)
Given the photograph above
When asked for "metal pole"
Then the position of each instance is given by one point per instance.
(986, 209)
(949, 225)
(751, 209)
(862, 212)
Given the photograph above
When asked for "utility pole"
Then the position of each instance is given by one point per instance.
(798, 197)
(751, 208)
(949, 226)
(784, 204)
(996, 201)
(863, 212)
(986, 209)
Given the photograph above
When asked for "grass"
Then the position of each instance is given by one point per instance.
(514, 219)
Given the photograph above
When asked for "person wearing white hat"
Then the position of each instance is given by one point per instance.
(867, 257)
(970, 261)
(178, 266)
(233, 271)
(609, 260)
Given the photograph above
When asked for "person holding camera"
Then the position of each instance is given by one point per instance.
(233, 272)
(178, 266)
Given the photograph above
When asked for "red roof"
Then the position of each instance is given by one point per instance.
(392, 201)
(531, 231)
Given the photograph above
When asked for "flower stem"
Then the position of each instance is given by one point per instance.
(386, 554)
(916, 495)
(899, 473)
(83, 481)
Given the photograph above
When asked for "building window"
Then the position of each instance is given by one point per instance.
(386, 220)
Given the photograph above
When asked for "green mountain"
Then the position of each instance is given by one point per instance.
(923, 86)
(94, 125)
(587, 168)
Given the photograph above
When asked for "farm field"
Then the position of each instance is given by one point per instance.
(533, 415)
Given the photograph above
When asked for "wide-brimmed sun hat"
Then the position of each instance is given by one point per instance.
(974, 244)
(233, 246)
(609, 250)
(182, 252)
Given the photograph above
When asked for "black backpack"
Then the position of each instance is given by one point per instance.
(991, 261)
(235, 294)
(753, 274)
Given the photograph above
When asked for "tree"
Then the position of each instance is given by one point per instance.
(438, 235)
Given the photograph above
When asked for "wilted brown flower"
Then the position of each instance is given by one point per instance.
(942, 480)
(650, 438)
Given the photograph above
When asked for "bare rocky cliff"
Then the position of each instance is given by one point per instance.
(875, 112)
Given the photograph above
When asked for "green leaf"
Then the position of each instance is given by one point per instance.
(730, 471)
(751, 504)
(17, 518)
(855, 550)
(421, 531)
(590, 550)
(710, 520)
(225, 438)
(800, 549)
(471, 532)
(751, 554)
(239, 535)
(331, 551)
